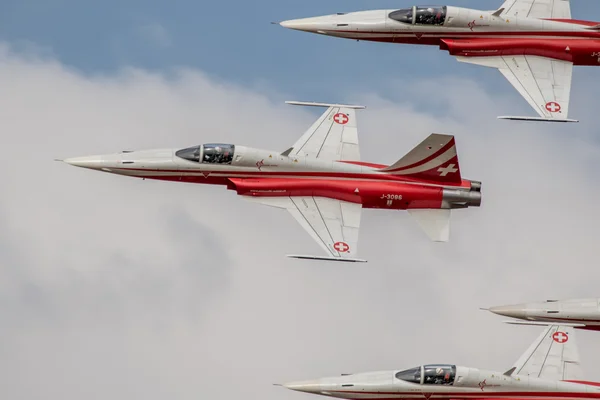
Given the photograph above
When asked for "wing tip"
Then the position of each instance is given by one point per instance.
(317, 104)
(536, 119)
(324, 258)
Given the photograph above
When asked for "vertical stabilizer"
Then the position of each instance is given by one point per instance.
(434, 159)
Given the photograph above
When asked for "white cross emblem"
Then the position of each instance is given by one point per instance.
(341, 247)
(341, 118)
(553, 106)
(447, 170)
(560, 337)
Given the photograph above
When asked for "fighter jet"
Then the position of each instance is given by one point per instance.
(533, 43)
(549, 369)
(320, 179)
(579, 313)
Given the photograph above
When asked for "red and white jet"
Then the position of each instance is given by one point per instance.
(534, 43)
(320, 180)
(549, 370)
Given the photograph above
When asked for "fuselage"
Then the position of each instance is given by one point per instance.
(256, 172)
(441, 381)
(583, 312)
(464, 32)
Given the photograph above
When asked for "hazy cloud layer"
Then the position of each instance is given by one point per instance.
(123, 288)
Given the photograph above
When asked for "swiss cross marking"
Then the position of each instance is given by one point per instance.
(341, 119)
(447, 170)
(553, 107)
(341, 247)
(560, 337)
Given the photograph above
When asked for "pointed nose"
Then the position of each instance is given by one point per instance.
(305, 386)
(314, 24)
(93, 162)
(513, 311)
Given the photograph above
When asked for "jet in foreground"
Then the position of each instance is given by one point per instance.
(549, 369)
(579, 313)
(534, 43)
(320, 180)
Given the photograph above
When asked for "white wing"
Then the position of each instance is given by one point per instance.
(334, 136)
(334, 224)
(552, 356)
(545, 83)
(557, 9)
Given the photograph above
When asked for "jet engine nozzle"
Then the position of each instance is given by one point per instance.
(453, 198)
(475, 186)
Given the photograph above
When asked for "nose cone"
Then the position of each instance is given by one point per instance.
(92, 162)
(518, 311)
(314, 24)
(305, 386)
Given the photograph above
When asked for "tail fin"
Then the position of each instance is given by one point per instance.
(434, 159)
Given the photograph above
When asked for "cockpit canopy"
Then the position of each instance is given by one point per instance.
(421, 15)
(433, 374)
(212, 153)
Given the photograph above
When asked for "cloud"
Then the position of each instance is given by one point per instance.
(127, 288)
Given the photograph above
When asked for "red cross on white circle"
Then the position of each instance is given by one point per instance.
(560, 337)
(341, 119)
(553, 107)
(341, 247)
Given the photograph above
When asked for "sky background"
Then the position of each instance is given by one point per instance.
(122, 288)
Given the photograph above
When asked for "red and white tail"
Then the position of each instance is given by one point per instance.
(433, 160)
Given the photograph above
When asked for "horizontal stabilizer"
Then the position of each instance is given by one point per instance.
(323, 258)
(498, 12)
(538, 119)
(594, 28)
(539, 323)
(435, 223)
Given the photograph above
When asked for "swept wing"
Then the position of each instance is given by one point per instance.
(334, 224)
(556, 9)
(553, 355)
(544, 82)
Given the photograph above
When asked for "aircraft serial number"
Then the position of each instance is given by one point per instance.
(391, 197)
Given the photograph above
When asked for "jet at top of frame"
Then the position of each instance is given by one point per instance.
(549, 369)
(579, 313)
(533, 43)
(319, 180)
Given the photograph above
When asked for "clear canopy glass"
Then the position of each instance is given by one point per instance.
(421, 15)
(212, 153)
(432, 374)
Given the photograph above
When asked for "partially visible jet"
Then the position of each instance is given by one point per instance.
(579, 313)
(320, 180)
(533, 43)
(549, 370)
